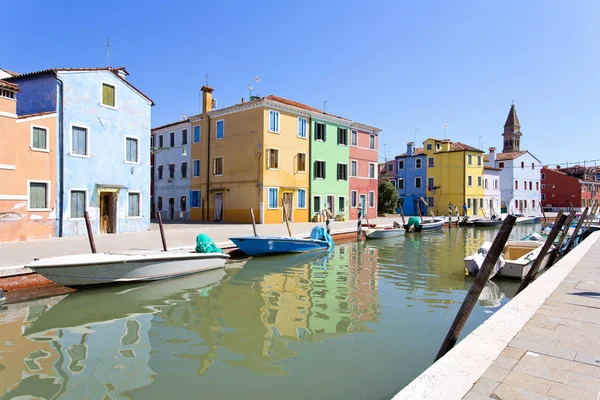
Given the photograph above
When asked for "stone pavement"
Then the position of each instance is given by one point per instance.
(556, 355)
(14, 255)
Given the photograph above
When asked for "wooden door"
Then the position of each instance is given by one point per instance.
(288, 200)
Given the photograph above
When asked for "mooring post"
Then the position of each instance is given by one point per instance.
(576, 231)
(558, 224)
(286, 217)
(449, 215)
(402, 215)
(419, 210)
(480, 280)
(162, 230)
(542, 209)
(563, 236)
(88, 226)
(359, 224)
(327, 225)
(253, 221)
(590, 218)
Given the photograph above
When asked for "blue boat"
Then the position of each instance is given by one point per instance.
(257, 245)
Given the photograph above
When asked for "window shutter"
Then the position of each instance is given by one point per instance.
(324, 170)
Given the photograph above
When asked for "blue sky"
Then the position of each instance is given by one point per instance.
(397, 65)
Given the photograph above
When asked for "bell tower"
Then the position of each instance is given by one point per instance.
(512, 132)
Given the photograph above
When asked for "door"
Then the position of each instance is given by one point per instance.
(288, 200)
(363, 203)
(171, 208)
(219, 207)
(521, 206)
(331, 205)
(475, 209)
(108, 212)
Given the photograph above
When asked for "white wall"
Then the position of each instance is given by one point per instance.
(491, 192)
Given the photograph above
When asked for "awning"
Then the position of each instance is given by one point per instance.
(110, 187)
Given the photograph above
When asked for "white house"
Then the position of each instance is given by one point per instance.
(172, 169)
(520, 175)
(491, 189)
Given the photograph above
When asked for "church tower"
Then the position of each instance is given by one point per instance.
(512, 132)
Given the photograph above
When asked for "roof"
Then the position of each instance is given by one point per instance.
(437, 140)
(458, 146)
(417, 152)
(512, 121)
(300, 105)
(491, 168)
(9, 86)
(506, 156)
(171, 124)
(115, 71)
(9, 72)
(36, 114)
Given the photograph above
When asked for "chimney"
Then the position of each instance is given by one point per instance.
(207, 100)
(242, 100)
(121, 72)
(446, 145)
(558, 167)
(493, 156)
(410, 149)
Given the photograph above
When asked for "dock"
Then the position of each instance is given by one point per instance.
(543, 344)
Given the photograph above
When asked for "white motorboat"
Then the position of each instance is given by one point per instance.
(384, 232)
(518, 256)
(107, 268)
(527, 220)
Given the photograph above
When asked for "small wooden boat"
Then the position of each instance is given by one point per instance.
(430, 225)
(258, 245)
(384, 232)
(487, 223)
(109, 268)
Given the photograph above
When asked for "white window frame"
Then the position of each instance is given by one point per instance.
(432, 202)
(495, 183)
(89, 134)
(48, 196)
(139, 205)
(339, 128)
(470, 178)
(184, 144)
(102, 83)
(305, 126)
(269, 198)
(420, 186)
(337, 172)
(374, 171)
(353, 162)
(374, 146)
(420, 161)
(369, 200)
(469, 159)
(324, 169)
(193, 172)
(186, 170)
(199, 199)
(393, 181)
(85, 203)
(324, 131)
(354, 201)
(398, 184)
(138, 151)
(479, 161)
(305, 161)
(320, 203)
(485, 183)
(432, 181)
(338, 204)
(217, 129)
(47, 149)
(479, 181)
(277, 122)
(269, 167)
(222, 165)
(432, 162)
(398, 164)
(298, 199)
(429, 146)
(352, 133)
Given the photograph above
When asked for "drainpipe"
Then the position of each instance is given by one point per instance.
(207, 201)
(61, 160)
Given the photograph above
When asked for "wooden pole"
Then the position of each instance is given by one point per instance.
(562, 238)
(88, 226)
(576, 231)
(285, 213)
(419, 210)
(558, 224)
(429, 208)
(359, 224)
(253, 221)
(162, 230)
(480, 280)
(327, 226)
(402, 215)
(542, 209)
(591, 218)
(449, 215)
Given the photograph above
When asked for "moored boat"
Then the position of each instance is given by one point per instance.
(384, 232)
(258, 245)
(488, 223)
(527, 220)
(429, 225)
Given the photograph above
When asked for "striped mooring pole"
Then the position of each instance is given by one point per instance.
(449, 215)
(359, 224)
(327, 225)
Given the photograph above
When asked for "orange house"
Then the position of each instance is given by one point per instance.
(27, 171)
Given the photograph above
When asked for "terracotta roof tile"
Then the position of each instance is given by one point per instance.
(300, 105)
(10, 72)
(458, 146)
(418, 151)
(491, 168)
(172, 124)
(505, 156)
(36, 114)
(8, 85)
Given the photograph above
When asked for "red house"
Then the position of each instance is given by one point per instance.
(363, 170)
(569, 187)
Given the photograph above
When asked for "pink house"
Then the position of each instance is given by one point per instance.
(363, 170)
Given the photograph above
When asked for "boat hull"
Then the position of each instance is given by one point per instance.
(103, 269)
(487, 223)
(261, 245)
(527, 220)
(383, 233)
(435, 224)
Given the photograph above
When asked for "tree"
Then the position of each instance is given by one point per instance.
(388, 197)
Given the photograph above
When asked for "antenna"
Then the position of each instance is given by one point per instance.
(416, 129)
(445, 126)
(324, 105)
(207, 79)
(107, 53)
(250, 88)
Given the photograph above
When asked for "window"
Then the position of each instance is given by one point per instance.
(319, 131)
(372, 171)
(342, 172)
(480, 203)
(273, 192)
(530, 185)
(371, 199)
(301, 162)
(301, 198)
(272, 158)
(160, 172)
(108, 95)
(195, 199)
(522, 164)
(495, 183)
(516, 184)
(132, 150)
(372, 142)
(220, 129)
(430, 182)
(218, 166)
(532, 167)
(196, 172)
(393, 181)
(469, 180)
(133, 204)
(320, 169)
(172, 139)
(39, 138)
(430, 201)
(161, 141)
(401, 183)
(429, 146)
(354, 140)
(501, 165)
(537, 186)
(479, 160)
(302, 128)
(77, 203)
(479, 181)
(159, 204)
(353, 168)
(184, 168)
(79, 141)
(390, 167)
(517, 204)
(524, 203)
(532, 203)
(400, 164)
(468, 203)
(353, 199)
(171, 171)
(343, 136)
(543, 196)
(316, 204)
(543, 176)
(418, 163)
(543, 186)
(182, 203)
(273, 121)
(418, 182)
(183, 140)
(437, 146)
(38, 195)
(197, 134)
(430, 162)
(485, 183)
(341, 205)
(469, 159)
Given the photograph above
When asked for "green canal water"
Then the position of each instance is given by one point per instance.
(361, 322)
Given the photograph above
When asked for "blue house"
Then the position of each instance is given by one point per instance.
(103, 142)
(411, 178)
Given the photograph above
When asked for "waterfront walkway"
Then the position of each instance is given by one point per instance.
(543, 344)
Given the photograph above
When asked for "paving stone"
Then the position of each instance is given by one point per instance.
(588, 358)
(583, 381)
(507, 392)
(505, 362)
(512, 352)
(542, 366)
(484, 386)
(567, 354)
(475, 396)
(588, 344)
(566, 392)
(529, 382)
(540, 339)
(496, 373)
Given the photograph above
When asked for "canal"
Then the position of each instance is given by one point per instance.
(360, 322)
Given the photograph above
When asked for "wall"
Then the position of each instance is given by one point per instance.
(36, 93)
(106, 163)
(362, 184)
(511, 172)
(491, 193)
(178, 187)
(332, 153)
(560, 190)
(410, 193)
(590, 193)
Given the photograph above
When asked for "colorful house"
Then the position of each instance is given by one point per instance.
(103, 133)
(569, 187)
(454, 176)
(27, 170)
(410, 179)
(491, 190)
(363, 176)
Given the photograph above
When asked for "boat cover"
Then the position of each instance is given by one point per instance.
(479, 257)
(414, 221)
(319, 233)
(204, 244)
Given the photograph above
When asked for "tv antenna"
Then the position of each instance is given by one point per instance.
(250, 88)
(416, 129)
(107, 53)
(324, 105)
(445, 126)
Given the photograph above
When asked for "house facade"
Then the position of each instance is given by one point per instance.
(561, 188)
(103, 133)
(411, 178)
(491, 191)
(363, 167)
(171, 169)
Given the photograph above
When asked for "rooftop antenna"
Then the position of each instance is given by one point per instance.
(416, 129)
(324, 105)
(250, 88)
(445, 126)
(107, 53)
(207, 79)
(480, 142)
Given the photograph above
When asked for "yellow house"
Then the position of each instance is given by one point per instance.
(454, 176)
(251, 155)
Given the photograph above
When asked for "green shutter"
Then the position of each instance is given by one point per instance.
(108, 95)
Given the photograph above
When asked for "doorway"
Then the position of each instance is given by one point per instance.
(288, 200)
(331, 205)
(171, 208)
(475, 210)
(218, 207)
(108, 212)
(363, 204)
